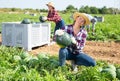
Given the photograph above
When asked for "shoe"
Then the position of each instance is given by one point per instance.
(74, 66)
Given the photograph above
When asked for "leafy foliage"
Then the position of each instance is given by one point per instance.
(17, 65)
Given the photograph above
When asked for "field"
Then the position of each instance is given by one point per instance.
(41, 64)
(107, 30)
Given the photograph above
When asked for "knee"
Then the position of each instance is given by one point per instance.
(62, 56)
(93, 63)
(63, 51)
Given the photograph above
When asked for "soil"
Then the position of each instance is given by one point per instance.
(104, 51)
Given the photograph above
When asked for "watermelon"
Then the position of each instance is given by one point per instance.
(41, 19)
(100, 69)
(27, 59)
(42, 55)
(33, 61)
(26, 21)
(24, 55)
(110, 69)
(110, 73)
(63, 39)
(17, 58)
(118, 73)
(111, 66)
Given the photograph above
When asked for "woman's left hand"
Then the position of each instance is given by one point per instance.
(73, 40)
(44, 18)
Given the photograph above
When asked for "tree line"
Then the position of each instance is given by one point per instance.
(93, 10)
(69, 8)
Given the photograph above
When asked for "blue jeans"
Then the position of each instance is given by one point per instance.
(59, 25)
(80, 59)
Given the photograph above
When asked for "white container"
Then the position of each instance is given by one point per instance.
(100, 19)
(26, 36)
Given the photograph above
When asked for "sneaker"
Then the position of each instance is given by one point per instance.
(74, 66)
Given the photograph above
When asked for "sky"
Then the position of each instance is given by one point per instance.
(59, 4)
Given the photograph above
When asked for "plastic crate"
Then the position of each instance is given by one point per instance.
(26, 36)
(99, 19)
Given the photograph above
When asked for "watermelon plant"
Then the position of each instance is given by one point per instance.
(18, 65)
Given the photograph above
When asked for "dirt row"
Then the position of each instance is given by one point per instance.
(108, 51)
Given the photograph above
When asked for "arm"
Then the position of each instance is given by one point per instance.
(80, 40)
(80, 43)
(52, 16)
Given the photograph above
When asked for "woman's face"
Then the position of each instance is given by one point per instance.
(50, 7)
(80, 21)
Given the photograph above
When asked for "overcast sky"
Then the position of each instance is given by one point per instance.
(59, 4)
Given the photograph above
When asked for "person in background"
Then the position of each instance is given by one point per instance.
(93, 21)
(55, 17)
(74, 52)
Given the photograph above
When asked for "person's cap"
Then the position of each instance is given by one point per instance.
(77, 14)
(50, 4)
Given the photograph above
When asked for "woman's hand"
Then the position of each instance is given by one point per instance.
(59, 32)
(73, 40)
(44, 18)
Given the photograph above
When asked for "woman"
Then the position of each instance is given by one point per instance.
(55, 17)
(74, 52)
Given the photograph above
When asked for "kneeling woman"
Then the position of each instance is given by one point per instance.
(74, 51)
